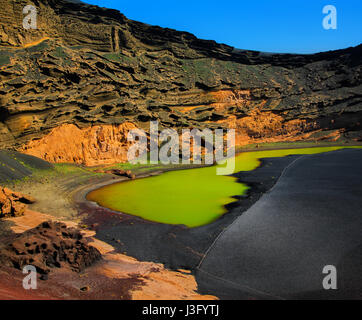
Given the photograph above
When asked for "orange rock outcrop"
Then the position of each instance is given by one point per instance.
(262, 127)
(96, 145)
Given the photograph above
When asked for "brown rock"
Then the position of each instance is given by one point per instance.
(122, 173)
(27, 199)
(117, 172)
(13, 204)
(50, 245)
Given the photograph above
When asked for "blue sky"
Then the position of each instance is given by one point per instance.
(275, 26)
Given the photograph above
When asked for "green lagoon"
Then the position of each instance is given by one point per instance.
(192, 197)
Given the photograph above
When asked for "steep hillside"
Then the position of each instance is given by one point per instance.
(87, 66)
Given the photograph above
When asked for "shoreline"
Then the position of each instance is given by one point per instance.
(112, 225)
(80, 194)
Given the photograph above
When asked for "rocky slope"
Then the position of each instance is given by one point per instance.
(92, 74)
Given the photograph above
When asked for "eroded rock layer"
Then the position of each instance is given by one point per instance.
(86, 70)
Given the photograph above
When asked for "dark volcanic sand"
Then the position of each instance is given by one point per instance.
(15, 165)
(279, 247)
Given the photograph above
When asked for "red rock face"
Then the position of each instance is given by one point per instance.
(13, 204)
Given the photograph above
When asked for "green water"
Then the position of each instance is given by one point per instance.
(193, 197)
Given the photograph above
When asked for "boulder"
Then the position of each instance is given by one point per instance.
(13, 204)
(50, 245)
(122, 173)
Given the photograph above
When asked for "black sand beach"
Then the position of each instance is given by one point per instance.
(279, 247)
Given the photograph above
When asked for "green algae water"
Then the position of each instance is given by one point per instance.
(192, 197)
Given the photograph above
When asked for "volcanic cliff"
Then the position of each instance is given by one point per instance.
(72, 88)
